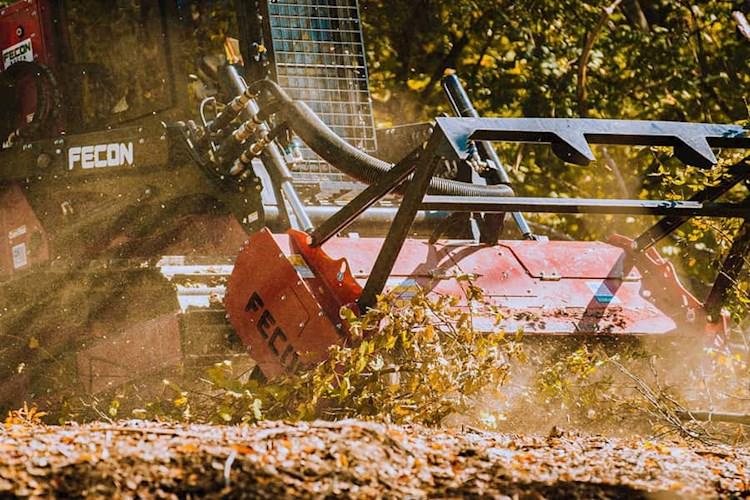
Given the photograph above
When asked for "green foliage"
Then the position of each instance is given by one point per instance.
(421, 361)
(656, 60)
(408, 361)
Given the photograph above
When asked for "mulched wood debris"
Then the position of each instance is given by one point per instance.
(354, 459)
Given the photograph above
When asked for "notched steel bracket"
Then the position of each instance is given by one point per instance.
(570, 138)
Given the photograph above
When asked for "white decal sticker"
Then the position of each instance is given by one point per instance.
(300, 266)
(602, 293)
(101, 156)
(22, 51)
(19, 231)
(19, 256)
(404, 288)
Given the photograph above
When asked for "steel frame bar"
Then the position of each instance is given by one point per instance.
(666, 226)
(344, 217)
(453, 134)
(587, 206)
(400, 229)
(374, 220)
(570, 138)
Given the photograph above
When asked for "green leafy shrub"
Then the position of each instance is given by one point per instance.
(408, 361)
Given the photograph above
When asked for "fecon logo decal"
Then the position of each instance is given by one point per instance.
(21, 51)
(101, 156)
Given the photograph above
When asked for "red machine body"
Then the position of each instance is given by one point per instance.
(27, 34)
(277, 305)
(283, 297)
(23, 241)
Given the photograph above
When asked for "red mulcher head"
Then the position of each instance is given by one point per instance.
(286, 290)
(284, 303)
(284, 297)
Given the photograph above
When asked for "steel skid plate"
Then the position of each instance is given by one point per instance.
(282, 302)
(276, 305)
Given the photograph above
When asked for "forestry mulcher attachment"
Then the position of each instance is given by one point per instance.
(287, 289)
(118, 237)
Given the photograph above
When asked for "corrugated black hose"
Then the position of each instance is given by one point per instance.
(48, 99)
(350, 160)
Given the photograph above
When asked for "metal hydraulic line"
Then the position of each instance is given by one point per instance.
(271, 156)
(463, 107)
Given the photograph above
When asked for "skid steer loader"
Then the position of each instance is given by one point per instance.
(134, 233)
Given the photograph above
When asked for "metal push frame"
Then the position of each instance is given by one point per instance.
(570, 138)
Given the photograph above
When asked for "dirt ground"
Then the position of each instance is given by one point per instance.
(354, 459)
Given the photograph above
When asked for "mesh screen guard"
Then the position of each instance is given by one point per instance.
(318, 56)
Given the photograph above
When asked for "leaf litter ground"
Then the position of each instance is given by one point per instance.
(354, 459)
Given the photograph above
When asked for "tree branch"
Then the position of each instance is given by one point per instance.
(703, 69)
(451, 58)
(482, 53)
(636, 15)
(583, 62)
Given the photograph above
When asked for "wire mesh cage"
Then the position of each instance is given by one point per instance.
(319, 58)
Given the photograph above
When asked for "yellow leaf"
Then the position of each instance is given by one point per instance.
(187, 448)
(417, 84)
(400, 411)
(487, 62)
(517, 68)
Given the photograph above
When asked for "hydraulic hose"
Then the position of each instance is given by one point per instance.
(48, 98)
(352, 161)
